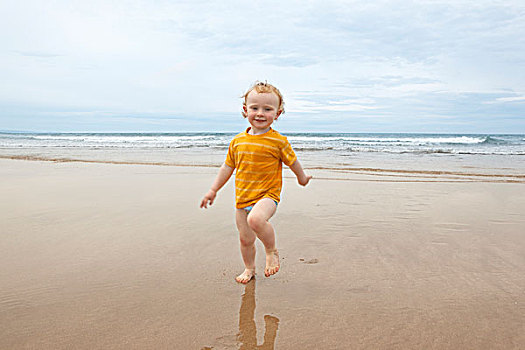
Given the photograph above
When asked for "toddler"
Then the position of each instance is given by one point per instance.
(257, 154)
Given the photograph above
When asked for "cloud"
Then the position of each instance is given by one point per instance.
(288, 60)
(508, 99)
(333, 60)
(38, 54)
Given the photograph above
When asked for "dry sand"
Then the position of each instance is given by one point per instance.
(120, 257)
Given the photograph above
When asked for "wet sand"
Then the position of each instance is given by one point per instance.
(120, 256)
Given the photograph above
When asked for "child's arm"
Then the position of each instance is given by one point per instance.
(297, 169)
(225, 172)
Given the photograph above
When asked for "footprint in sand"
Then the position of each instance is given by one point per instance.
(311, 261)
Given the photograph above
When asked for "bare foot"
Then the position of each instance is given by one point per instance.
(246, 276)
(272, 263)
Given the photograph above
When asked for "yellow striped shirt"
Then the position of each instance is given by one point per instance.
(258, 160)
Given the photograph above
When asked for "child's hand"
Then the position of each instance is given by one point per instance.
(303, 181)
(208, 198)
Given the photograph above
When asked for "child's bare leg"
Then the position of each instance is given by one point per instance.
(258, 222)
(247, 241)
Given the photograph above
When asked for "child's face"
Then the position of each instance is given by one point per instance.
(261, 109)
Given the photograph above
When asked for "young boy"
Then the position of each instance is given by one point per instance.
(257, 154)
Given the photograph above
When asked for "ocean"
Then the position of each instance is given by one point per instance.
(338, 142)
(469, 154)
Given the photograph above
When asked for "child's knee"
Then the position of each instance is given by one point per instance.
(247, 241)
(256, 222)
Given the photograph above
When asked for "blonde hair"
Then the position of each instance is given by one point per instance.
(264, 88)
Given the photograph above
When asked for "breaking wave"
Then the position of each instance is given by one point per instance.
(446, 144)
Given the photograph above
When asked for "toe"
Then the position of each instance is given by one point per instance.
(245, 277)
(240, 278)
(270, 271)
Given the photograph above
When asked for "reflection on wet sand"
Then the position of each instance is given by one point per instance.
(247, 329)
(246, 339)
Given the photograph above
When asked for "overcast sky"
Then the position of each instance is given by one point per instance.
(349, 66)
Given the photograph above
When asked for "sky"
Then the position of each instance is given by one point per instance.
(342, 66)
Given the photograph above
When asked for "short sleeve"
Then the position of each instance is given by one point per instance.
(230, 157)
(287, 154)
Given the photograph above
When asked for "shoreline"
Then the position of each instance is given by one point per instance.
(409, 175)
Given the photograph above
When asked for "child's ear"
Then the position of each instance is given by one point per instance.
(279, 112)
(244, 111)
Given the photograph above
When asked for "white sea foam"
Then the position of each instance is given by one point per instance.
(399, 140)
(342, 143)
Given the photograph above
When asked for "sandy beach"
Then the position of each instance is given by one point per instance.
(119, 256)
